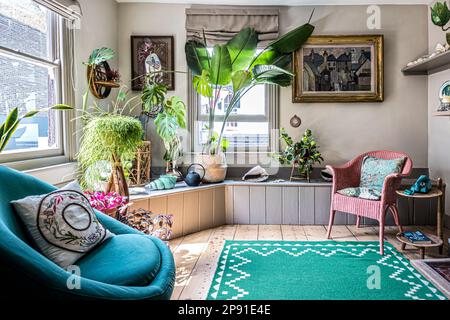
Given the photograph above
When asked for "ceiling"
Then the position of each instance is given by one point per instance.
(284, 2)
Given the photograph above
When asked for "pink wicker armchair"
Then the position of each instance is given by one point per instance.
(349, 175)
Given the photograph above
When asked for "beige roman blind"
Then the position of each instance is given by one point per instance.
(220, 24)
(69, 9)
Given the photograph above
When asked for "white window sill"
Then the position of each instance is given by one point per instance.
(57, 174)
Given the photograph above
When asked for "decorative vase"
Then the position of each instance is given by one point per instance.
(215, 167)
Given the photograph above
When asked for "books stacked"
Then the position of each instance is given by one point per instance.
(416, 237)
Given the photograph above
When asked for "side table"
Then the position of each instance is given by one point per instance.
(438, 192)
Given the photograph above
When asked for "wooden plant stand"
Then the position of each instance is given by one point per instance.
(141, 172)
(117, 182)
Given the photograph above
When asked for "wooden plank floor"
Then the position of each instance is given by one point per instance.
(196, 255)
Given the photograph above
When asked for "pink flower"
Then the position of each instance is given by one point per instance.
(104, 202)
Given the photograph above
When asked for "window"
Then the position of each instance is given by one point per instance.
(30, 75)
(249, 126)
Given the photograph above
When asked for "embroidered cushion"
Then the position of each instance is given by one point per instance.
(62, 224)
(375, 170)
(363, 193)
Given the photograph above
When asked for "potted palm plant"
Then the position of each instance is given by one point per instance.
(237, 64)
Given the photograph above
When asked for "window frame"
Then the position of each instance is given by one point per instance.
(58, 154)
(271, 117)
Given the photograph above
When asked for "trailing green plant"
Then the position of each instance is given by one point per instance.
(111, 137)
(237, 64)
(304, 153)
(13, 120)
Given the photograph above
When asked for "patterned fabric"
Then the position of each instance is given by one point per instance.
(62, 224)
(375, 170)
(326, 270)
(363, 193)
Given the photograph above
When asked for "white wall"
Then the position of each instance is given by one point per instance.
(98, 29)
(155, 20)
(348, 129)
(438, 127)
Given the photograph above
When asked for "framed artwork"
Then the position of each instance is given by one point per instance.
(339, 69)
(152, 54)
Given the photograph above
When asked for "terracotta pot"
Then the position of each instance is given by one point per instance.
(215, 167)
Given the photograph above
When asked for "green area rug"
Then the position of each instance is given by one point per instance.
(278, 270)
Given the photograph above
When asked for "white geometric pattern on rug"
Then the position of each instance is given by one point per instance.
(312, 248)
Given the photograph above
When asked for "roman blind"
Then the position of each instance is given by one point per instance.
(69, 9)
(220, 25)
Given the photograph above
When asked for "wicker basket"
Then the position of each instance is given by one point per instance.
(140, 172)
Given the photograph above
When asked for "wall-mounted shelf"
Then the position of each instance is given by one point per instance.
(441, 114)
(438, 63)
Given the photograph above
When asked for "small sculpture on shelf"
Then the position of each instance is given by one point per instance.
(444, 97)
(164, 182)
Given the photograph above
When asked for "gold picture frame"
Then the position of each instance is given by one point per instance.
(342, 69)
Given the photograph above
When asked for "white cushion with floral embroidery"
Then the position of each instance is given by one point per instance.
(62, 224)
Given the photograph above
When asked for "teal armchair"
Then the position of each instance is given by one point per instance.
(129, 266)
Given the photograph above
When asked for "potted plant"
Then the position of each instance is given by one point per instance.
(13, 120)
(237, 65)
(302, 154)
(108, 135)
(440, 16)
(171, 118)
(112, 137)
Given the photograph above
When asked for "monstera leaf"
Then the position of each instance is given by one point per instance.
(153, 95)
(100, 55)
(440, 14)
(242, 48)
(166, 125)
(202, 84)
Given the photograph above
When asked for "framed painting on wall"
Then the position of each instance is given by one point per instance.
(339, 69)
(152, 54)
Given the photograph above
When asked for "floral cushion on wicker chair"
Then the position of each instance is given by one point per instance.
(363, 193)
(374, 171)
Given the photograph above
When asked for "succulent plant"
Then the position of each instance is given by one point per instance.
(440, 14)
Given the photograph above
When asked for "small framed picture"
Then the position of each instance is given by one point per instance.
(152, 54)
(339, 69)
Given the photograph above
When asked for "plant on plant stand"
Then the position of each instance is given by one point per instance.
(302, 154)
(440, 16)
(237, 64)
(169, 114)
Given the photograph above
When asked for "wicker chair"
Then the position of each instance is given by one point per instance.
(349, 175)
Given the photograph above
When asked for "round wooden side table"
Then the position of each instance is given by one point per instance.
(438, 192)
(436, 242)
